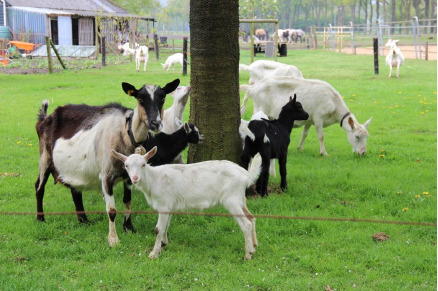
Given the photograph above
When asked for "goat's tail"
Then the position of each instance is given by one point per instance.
(244, 130)
(243, 67)
(255, 169)
(43, 110)
(244, 88)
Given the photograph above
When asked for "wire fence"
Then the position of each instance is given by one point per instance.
(417, 38)
(264, 216)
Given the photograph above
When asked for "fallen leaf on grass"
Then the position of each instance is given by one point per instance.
(380, 236)
(10, 174)
(327, 288)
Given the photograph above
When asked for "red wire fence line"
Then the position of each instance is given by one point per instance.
(230, 215)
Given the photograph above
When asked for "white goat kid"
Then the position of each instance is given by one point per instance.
(395, 57)
(172, 60)
(202, 185)
(323, 103)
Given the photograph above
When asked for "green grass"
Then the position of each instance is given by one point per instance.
(395, 181)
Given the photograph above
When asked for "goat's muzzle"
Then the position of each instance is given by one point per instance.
(155, 126)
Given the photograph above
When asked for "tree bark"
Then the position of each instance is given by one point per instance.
(215, 99)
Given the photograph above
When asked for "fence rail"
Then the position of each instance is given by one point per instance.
(417, 36)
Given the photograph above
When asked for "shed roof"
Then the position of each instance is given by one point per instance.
(76, 7)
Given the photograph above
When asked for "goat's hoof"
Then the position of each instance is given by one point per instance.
(41, 218)
(247, 256)
(113, 240)
(153, 255)
(82, 218)
(127, 226)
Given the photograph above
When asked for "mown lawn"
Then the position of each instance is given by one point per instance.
(395, 181)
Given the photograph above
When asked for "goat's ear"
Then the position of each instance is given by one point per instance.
(187, 127)
(293, 100)
(170, 87)
(129, 89)
(178, 122)
(351, 122)
(119, 156)
(150, 153)
(367, 122)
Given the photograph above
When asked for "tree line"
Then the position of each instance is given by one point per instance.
(174, 15)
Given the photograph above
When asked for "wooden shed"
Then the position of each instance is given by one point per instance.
(68, 22)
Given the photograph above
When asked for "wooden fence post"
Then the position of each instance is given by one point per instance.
(157, 53)
(57, 54)
(49, 54)
(376, 56)
(185, 56)
(103, 51)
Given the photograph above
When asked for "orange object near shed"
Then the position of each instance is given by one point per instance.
(27, 46)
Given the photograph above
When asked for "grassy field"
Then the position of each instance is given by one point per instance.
(395, 181)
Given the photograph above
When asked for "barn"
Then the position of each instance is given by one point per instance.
(67, 22)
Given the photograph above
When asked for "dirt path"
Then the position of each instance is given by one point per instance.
(408, 51)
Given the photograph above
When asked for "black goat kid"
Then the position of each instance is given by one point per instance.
(271, 140)
(171, 145)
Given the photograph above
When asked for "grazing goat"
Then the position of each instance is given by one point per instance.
(271, 141)
(171, 145)
(172, 60)
(202, 185)
(76, 142)
(323, 103)
(395, 57)
(262, 69)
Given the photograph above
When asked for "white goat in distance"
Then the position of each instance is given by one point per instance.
(141, 53)
(395, 57)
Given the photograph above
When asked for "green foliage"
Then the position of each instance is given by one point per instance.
(395, 181)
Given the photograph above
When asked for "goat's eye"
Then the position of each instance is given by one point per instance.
(357, 137)
(126, 166)
(143, 165)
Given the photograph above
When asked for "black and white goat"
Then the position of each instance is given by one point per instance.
(176, 187)
(171, 145)
(271, 140)
(76, 142)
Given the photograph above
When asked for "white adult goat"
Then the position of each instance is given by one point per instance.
(175, 187)
(261, 69)
(323, 103)
(172, 60)
(395, 57)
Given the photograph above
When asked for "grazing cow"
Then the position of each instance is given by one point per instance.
(260, 33)
(76, 142)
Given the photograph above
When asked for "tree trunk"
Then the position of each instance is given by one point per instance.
(215, 99)
(393, 15)
(426, 14)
